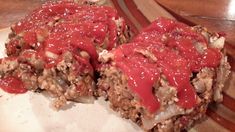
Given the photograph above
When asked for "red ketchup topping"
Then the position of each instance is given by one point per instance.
(12, 84)
(78, 27)
(58, 27)
(141, 71)
(173, 45)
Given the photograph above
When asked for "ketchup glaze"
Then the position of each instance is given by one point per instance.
(173, 46)
(13, 85)
(58, 27)
(67, 26)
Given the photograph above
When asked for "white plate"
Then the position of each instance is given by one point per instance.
(31, 112)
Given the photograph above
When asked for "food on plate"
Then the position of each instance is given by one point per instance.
(164, 79)
(55, 49)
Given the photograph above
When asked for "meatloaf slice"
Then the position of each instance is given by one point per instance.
(165, 79)
(55, 49)
(100, 24)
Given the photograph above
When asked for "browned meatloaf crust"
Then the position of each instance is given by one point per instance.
(71, 75)
(208, 84)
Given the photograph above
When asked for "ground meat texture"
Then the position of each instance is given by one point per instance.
(206, 80)
(114, 87)
(63, 81)
(104, 28)
(55, 48)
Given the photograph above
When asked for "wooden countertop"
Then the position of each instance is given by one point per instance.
(12, 11)
(215, 15)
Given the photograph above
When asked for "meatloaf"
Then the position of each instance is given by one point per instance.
(55, 49)
(166, 77)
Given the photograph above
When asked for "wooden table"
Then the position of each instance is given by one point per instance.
(216, 15)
